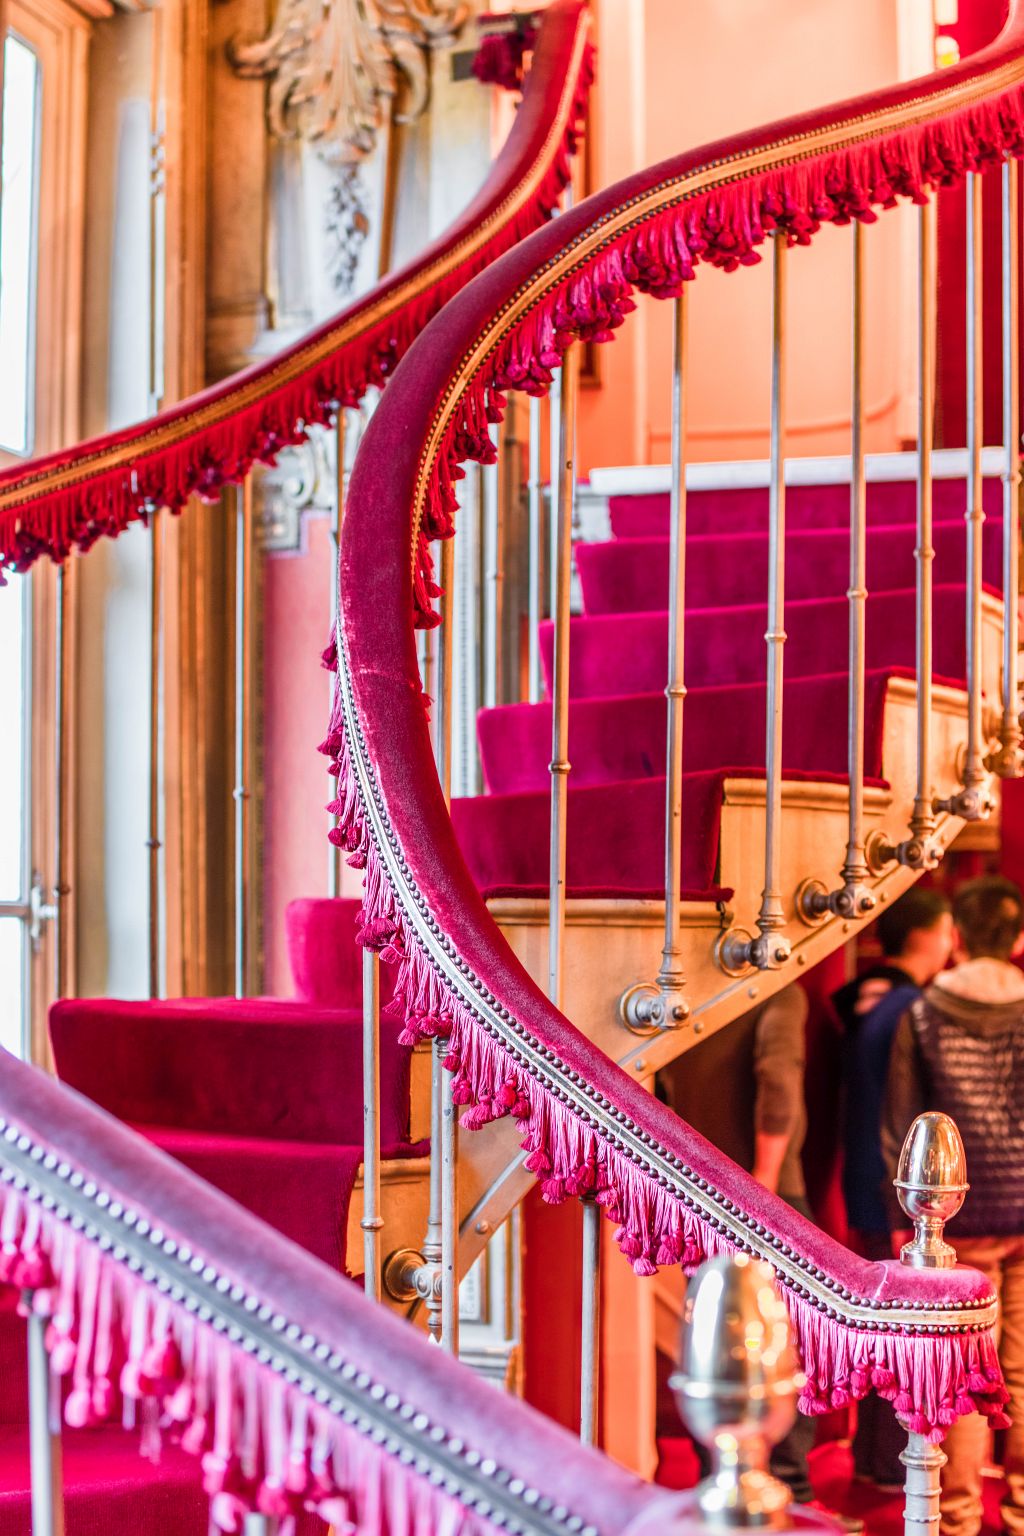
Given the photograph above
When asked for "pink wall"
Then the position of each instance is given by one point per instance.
(671, 77)
(296, 697)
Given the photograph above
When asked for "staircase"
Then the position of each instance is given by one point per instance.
(847, 654)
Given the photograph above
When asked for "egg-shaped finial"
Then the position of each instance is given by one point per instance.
(737, 1386)
(931, 1183)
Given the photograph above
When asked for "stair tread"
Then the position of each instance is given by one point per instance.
(740, 508)
(631, 575)
(614, 738)
(615, 654)
(615, 843)
(260, 1067)
(109, 1488)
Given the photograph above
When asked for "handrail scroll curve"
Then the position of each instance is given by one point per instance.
(68, 499)
(921, 1339)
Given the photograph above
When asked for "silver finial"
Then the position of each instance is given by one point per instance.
(737, 1387)
(931, 1184)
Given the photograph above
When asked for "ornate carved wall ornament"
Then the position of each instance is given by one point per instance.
(346, 225)
(339, 68)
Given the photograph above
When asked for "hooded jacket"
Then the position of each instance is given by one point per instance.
(960, 1049)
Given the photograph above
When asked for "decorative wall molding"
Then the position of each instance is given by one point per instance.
(340, 69)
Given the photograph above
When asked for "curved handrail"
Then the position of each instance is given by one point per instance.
(70, 498)
(298, 1391)
(920, 1339)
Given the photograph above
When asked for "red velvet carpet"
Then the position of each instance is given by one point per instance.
(617, 672)
(263, 1097)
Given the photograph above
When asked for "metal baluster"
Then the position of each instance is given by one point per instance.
(559, 765)
(535, 545)
(1007, 760)
(44, 1436)
(590, 1309)
(334, 855)
(920, 850)
(493, 577)
(431, 1276)
(62, 937)
(449, 1207)
(153, 841)
(554, 456)
(931, 1184)
(736, 1389)
(737, 949)
(662, 1003)
(854, 898)
(372, 1221)
(974, 801)
(244, 534)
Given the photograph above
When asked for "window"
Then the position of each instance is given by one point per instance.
(15, 874)
(18, 245)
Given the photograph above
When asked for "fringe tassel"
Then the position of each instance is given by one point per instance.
(934, 1377)
(265, 1448)
(930, 1378)
(206, 460)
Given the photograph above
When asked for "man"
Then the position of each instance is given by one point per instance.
(960, 1049)
(916, 935)
(744, 1090)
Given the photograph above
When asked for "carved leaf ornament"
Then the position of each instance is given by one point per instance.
(338, 69)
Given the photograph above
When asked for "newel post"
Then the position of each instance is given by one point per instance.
(931, 1183)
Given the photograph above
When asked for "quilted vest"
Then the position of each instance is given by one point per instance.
(972, 1066)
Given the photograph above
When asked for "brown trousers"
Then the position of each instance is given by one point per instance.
(967, 1442)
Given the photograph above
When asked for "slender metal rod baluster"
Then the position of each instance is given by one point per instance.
(372, 1221)
(427, 1282)
(244, 566)
(1008, 761)
(854, 898)
(153, 841)
(44, 1436)
(590, 1348)
(536, 563)
(771, 948)
(920, 848)
(449, 1209)
(564, 486)
(492, 501)
(931, 1183)
(334, 855)
(554, 456)
(662, 1003)
(444, 670)
(62, 938)
(973, 802)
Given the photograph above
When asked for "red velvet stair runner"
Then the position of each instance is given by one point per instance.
(263, 1098)
(618, 659)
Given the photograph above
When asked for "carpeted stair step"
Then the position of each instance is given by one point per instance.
(723, 570)
(616, 833)
(303, 1189)
(745, 510)
(109, 1489)
(615, 839)
(615, 654)
(612, 739)
(254, 1067)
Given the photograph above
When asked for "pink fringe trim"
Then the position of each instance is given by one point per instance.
(123, 1350)
(202, 463)
(931, 1379)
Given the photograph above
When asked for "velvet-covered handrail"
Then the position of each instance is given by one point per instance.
(70, 498)
(296, 1390)
(921, 1339)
